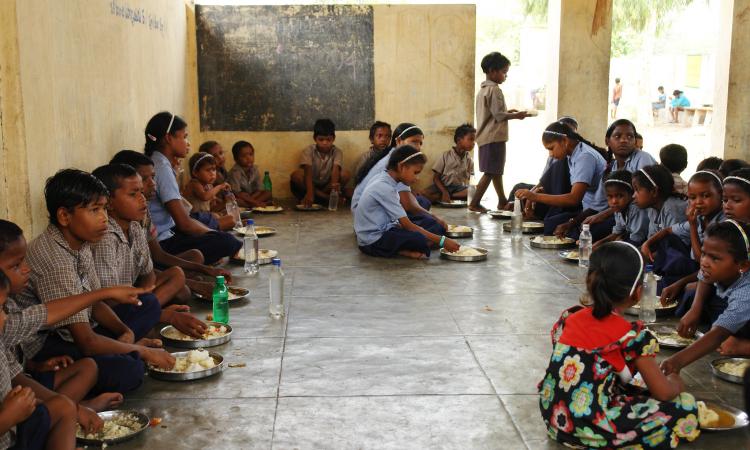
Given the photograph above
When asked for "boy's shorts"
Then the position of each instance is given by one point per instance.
(452, 188)
(31, 434)
(492, 158)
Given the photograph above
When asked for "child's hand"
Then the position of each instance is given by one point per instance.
(308, 200)
(451, 245)
(18, 404)
(226, 187)
(525, 194)
(54, 364)
(669, 366)
(692, 215)
(217, 271)
(670, 293)
(127, 295)
(157, 357)
(188, 324)
(562, 229)
(689, 324)
(646, 250)
(446, 197)
(89, 421)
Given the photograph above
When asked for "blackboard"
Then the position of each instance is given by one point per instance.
(279, 68)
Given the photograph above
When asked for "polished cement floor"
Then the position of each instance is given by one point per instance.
(386, 353)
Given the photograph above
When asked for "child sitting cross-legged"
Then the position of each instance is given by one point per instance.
(585, 397)
(244, 177)
(454, 168)
(631, 222)
(201, 191)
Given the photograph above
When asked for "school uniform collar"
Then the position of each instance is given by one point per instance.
(486, 83)
(59, 239)
(741, 282)
(389, 179)
(455, 153)
(116, 229)
(579, 148)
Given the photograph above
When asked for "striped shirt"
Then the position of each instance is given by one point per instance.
(737, 296)
(23, 335)
(120, 259)
(7, 369)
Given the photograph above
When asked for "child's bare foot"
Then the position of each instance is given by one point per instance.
(148, 342)
(104, 402)
(412, 254)
(478, 208)
(177, 308)
(733, 346)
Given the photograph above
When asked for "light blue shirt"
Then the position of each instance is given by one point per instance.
(167, 190)
(379, 209)
(636, 161)
(633, 223)
(737, 296)
(680, 102)
(682, 229)
(378, 168)
(587, 166)
(672, 212)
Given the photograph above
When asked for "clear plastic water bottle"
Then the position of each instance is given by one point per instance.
(648, 301)
(250, 248)
(472, 191)
(276, 290)
(233, 209)
(220, 298)
(333, 200)
(585, 245)
(516, 222)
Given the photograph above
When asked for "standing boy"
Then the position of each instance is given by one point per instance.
(454, 168)
(616, 96)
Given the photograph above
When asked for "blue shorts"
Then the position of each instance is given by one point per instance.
(31, 434)
(451, 188)
(395, 240)
(207, 219)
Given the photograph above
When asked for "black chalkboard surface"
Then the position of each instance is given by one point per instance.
(279, 68)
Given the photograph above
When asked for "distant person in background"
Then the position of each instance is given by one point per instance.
(616, 96)
(674, 158)
(660, 103)
(679, 103)
(638, 141)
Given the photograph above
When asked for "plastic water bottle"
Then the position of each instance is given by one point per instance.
(333, 200)
(516, 222)
(585, 245)
(233, 209)
(220, 298)
(472, 191)
(648, 301)
(251, 248)
(276, 290)
(267, 182)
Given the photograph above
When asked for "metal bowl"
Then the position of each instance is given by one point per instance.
(532, 227)
(266, 257)
(740, 417)
(139, 417)
(661, 311)
(454, 204)
(180, 376)
(313, 207)
(725, 376)
(552, 242)
(502, 215)
(460, 234)
(482, 257)
(197, 343)
(259, 230)
(669, 329)
(240, 294)
(273, 209)
(569, 255)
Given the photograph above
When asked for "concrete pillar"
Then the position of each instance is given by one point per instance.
(580, 32)
(730, 129)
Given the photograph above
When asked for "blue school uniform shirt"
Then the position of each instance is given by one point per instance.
(167, 190)
(681, 102)
(672, 212)
(682, 229)
(379, 209)
(377, 169)
(635, 162)
(587, 166)
(632, 223)
(737, 296)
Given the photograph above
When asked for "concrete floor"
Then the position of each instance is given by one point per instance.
(386, 353)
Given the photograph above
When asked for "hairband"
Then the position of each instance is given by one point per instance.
(410, 157)
(744, 235)
(735, 177)
(410, 128)
(648, 177)
(555, 133)
(640, 267)
(195, 164)
(171, 121)
(710, 173)
(614, 180)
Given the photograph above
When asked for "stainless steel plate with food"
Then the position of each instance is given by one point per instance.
(259, 230)
(661, 311)
(465, 254)
(715, 416)
(551, 242)
(216, 334)
(191, 365)
(668, 337)
(459, 231)
(119, 426)
(313, 207)
(569, 255)
(271, 209)
(235, 294)
(730, 369)
(527, 227)
(502, 215)
(265, 256)
(453, 204)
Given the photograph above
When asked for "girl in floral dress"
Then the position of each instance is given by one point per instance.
(586, 398)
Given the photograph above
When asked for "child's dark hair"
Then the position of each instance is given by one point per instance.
(615, 269)
(556, 131)
(113, 174)
(207, 146)
(657, 176)
(132, 158)
(712, 177)
(494, 61)
(462, 131)
(405, 154)
(620, 179)
(712, 162)
(158, 127)
(4, 282)
(9, 233)
(730, 165)
(378, 124)
(638, 135)
(324, 127)
(200, 160)
(403, 131)
(739, 178)
(569, 121)
(673, 157)
(731, 232)
(238, 146)
(69, 188)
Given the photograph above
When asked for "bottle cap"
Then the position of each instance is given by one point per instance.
(220, 279)
(585, 226)
(276, 262)
(649, 268)
(249, 222)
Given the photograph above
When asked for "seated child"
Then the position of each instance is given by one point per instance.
(320, 167)
(122, 256)
(244, 177)
(454, 168)
(585, 397)
(722, 297)
(62, 265)
(710, 163)
(638, 141)
(674, 157)
(730, 165)
(736, 199)
(214, 149)
(631, 222)
(621, 139)
(201, 191)
(380, 140)
(380, 222)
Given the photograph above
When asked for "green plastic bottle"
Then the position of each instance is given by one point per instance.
(267, 182)
(220, 299)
